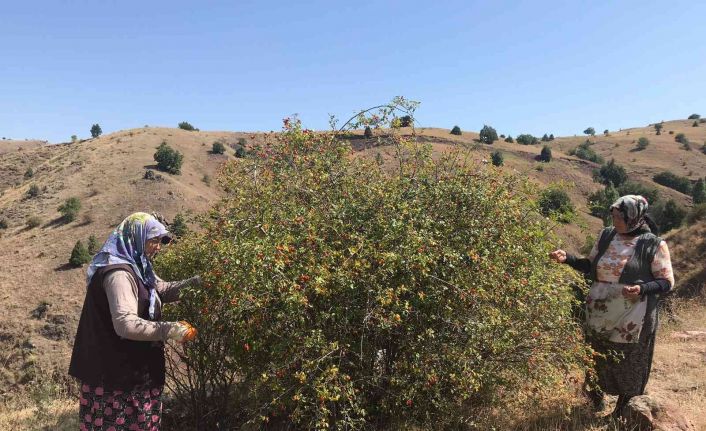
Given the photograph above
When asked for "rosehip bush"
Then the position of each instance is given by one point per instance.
(341, 294)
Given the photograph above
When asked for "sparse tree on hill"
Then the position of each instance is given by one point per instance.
(178, 226)
(79, 255)
(668, 215)
(96, 130)
(218, 148)
(681, 138)
(551, 137)
(185, 125)
(605, 132)
(658, 128)
(590, 131)
(556, 202)
(673, 181)
(168, 159)
(527, 139)
(69, 209)
(694, 116)
(546, 154)
(509, 139)
(545, 138)
(456, 130)
(612, 173)
(240, 151)
(92, 245)
(368, 133)
(74, 138)
(488, 135)
(695, 124)
(497, 158)
(698, 193)
(600, 201)
(642, 143)
(33, 191)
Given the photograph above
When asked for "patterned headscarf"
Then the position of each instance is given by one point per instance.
(126, 245)
(633, 208)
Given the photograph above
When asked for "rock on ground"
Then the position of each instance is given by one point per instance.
(647, 413)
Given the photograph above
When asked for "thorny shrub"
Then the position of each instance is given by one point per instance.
(339, 294)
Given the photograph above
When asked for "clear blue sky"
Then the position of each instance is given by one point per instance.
(521, 66)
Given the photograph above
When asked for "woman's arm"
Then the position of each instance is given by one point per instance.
(661, 271)
(121, 290)
(169, 290)
(580, 264)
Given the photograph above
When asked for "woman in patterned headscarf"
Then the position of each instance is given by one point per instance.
(118, 354)
(630, 269)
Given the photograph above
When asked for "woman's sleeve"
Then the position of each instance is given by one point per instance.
(661, 271)
(169, 290)
(582, 264)
(121, 290)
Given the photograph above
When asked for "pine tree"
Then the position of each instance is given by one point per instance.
(92, 245)
(79, 255)
(488, 135)
(178, 226)
(96, 130)
(699, 192)
(69, 209)
(642, 143)
(546, 154)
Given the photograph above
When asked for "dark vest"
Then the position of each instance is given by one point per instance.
(637, 270)
(100, 357)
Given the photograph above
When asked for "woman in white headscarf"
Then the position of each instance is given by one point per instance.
(630, 269)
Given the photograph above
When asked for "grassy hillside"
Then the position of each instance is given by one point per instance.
(106, 174)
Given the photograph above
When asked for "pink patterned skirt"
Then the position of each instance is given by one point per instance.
(101, 410)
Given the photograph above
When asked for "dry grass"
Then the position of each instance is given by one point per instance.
(43, 405)
(679, 367)
(55, 415)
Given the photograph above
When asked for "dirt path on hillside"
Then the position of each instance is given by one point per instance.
(679, 367)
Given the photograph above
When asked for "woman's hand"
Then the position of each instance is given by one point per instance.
(182, 332)
(558, 256)
(631, 292)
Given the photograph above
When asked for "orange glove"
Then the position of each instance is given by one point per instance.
(182, 332)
